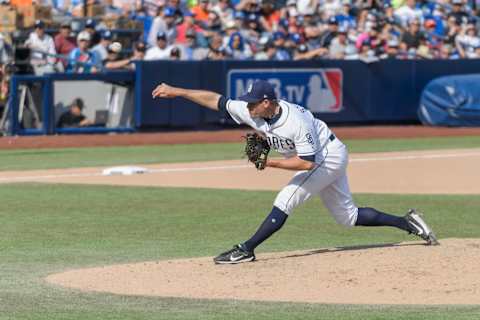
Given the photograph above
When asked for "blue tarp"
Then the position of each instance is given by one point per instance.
(451, 101)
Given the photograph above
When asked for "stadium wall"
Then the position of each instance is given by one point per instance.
(338, 92)
(380, 92)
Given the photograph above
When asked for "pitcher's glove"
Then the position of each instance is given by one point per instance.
(257, 150)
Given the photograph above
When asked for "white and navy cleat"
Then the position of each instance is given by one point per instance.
(419, 227)
(236, 255)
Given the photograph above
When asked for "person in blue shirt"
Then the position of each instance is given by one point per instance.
(82, 59)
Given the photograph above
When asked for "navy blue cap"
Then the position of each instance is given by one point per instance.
(302, 48)
(90, 23)
(161, 35)
(258, 91)
(296, 37)
(169, 12)
(252, 17)
(107, 35)
(239, 15)
(39, 24)
(279, 35)
(332, 20)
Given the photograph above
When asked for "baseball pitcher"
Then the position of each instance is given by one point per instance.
(309, 148)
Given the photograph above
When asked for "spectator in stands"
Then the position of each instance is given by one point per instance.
(293, 40)
(43, 50)
(452, 30)
(240, 21)
(180, 6)
(345, 18)
(282, 54)
(467, 41)
(331, 8)
(182, 28)
(216, 51)
(271, 16)
(82, 59)
(164, 22)
(229, 29)
(392, 51)
(224, 9)
(328, 35)
(237, 48)
(90, 27)
(115, 62)
(112, 10)
(101, 49)
(248, 6)
(73, 118)
(408, 12)
(153, 7)
(303, 53)
(175, 54)
(433, 38)
(201, 11)
(64, 41)
(307, 7)
(190, 49)
(139, 49)
(212, 25)
(252, 31)
(367, 53)
(447, 52)
(339, 44)
(161, 51)
(411, 38)
(458, 12)
(265, 49)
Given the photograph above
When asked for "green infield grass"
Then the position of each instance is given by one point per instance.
(29, 159)
(51, 228)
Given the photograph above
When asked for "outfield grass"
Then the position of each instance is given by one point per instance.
(102, 156)
(50, 228)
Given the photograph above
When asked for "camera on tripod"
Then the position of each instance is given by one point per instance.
(21, 61)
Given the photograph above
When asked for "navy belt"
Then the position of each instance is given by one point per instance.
(332, 137)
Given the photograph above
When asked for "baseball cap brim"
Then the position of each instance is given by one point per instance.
(248, 98)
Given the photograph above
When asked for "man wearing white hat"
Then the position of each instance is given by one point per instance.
(82, 59)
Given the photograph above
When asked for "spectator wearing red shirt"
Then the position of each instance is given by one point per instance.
(64, 41)
(187, 24)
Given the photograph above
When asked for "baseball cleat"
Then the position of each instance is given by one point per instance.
(236, 255)
(419, 227)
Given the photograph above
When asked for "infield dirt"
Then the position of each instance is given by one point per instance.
(405, 273)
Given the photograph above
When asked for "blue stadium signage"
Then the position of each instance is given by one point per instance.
(319, 90)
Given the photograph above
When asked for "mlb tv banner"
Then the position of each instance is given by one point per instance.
(318, 89)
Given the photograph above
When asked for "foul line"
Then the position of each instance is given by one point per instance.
(228, 167)
(427, 156)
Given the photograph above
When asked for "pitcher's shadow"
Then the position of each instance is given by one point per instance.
(348, 248)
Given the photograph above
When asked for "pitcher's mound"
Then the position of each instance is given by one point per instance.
(406, 273)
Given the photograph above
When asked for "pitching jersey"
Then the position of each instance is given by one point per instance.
(295, 132)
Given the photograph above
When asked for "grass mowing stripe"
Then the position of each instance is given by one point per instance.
(50, 228)
(111, 156)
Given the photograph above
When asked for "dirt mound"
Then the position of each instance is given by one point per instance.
(405, 273)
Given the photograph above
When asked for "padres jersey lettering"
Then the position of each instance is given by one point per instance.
(296, 132)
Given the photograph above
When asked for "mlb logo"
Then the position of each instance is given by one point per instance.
(319, 90)
(325, 91)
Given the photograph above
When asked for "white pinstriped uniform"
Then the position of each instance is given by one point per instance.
(298, 132)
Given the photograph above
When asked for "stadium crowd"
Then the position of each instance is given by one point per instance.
(368, 30)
